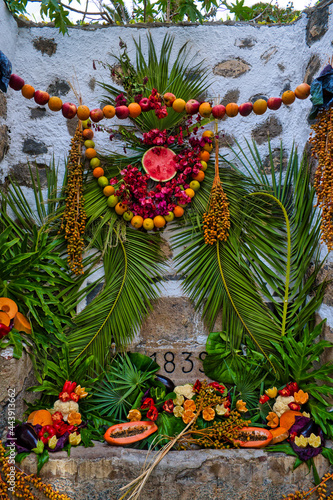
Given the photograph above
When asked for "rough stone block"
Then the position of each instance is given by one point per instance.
(45, 45)
(3, 106)
(317, 24)
(312, 68)
(232, 68)
(272, 127)
(21, 173)
(58, 88)
(4, 141)
(245, 43)
(276, 157)
(268, 54)
(34, 148)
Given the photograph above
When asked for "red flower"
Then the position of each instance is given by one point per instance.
(294, 406)
(284, 392)
(64, 396)
(57, 417)
(147, 403)
(62, 427)
(74, 397)
(197, 386)
(69, 386)
(168, 406)
(46, 432)
(217, 386)
(263, 399)
(292, 387)
(152, 413)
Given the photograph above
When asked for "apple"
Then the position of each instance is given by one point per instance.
(218, 111)
(192, 107)
(302, 91)
(68, 110)
(96, 115)
(145, 104)
(245, 109)
(41, 97)
(169, 99)
(274, 103)
(122, 112)
(16, 82)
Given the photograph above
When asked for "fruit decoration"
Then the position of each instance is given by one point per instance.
(10, 317)
(253, 437)
(129, 432)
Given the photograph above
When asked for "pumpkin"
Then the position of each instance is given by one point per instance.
(301, 397)
(279, 434)
(272, 419)
(8, 306)
(4, 318)
(21, 323)
(287, 419)
(41, 417)
(129, 432)
(263, 437)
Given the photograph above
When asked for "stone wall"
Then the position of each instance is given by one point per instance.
(244, 61)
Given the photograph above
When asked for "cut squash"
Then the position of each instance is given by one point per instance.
(279, 434)
(41, 417)
(287, 419)
(129, 432)
(4, 318)
(21, 323)
(8, 306)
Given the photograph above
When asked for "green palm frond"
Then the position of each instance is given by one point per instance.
(184, 78)
(131, 268)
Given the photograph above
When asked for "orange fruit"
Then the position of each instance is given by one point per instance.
(137, 221)
(108, 191)
(204, 155)
(208, 147)
(90, 153)
(148, 224)
(231, 109)
(159, 221)
(179, 106)
(259, 107)
(203, 166)
(87, 134)
(121, 208)
(98, 172)
(190, 192)
(109, 111)
(199, 177)
(28, 91)
(205, 109)
(178, 211)
(134, 109)
(208, 133)
(288, 97)
(83, 112)
(302, 91)
(55, 103)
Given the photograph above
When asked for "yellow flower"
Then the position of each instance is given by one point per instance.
(185, 390)
(272, 392)
(301, 441)
(81, 391)
(179, 400)
(314, 441)
(241, 406)
(306, 414)
(134, 415)
(52, 442)
(74, 439)
(74, 418)
(221, 409)
(208, 414)
(187, 416)
(178, 411)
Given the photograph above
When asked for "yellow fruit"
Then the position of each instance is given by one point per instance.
(205, 109)
(148, 224)
(90, 153)
(208, 133)
(108, 191)
(288, 97)
(203, 166)
(208, 147)
(260, 107)
(55, 103)
(190, 192)
(83, 112)
(137, 221)
(179, 105)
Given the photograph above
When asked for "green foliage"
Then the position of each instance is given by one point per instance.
(263, 12)
(122, 385)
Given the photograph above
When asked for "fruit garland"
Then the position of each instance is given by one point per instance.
(158, 103)
(151, 207)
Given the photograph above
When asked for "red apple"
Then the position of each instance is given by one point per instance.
(274, 103)
(245, 109)
(41, 97)
(145, 104)
(122, 112)
(218, 111)
(192, 107)
(169, 99)
(68, 110)
(96, 115)
(16, 82)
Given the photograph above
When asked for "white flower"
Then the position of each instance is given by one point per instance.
(179, 400)
(221, 409)
(178, 411)
(65, 408)
(185, 390)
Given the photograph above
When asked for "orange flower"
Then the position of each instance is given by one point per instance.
(81, 392)
(301, 397)
(74, 418)
(272, 420)
(134, 416)
(241, 406)
(208, 414)
(187, 416)
(189, 405)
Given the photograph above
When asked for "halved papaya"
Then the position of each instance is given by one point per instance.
(8, 306)
(129, 432)
(4, 318)
(41, 417)
(253, 437)
(21, 323)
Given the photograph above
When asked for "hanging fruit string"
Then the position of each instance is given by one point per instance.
(74, 218)
(216, 221)
(322, 150)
